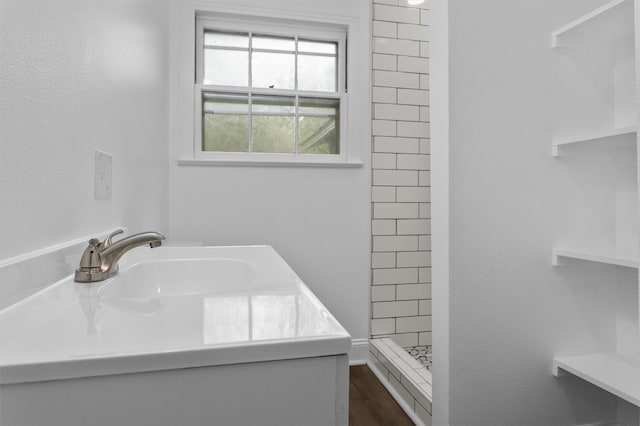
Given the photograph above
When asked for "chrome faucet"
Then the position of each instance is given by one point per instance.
(100, 260)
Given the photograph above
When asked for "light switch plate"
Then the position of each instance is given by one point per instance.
(103, 175)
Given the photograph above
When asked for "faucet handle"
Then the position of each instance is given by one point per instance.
(107, 242)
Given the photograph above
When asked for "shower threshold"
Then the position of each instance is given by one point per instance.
(405, 375)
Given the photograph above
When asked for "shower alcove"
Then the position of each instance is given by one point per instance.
(401, 205)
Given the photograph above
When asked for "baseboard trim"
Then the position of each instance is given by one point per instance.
(359, 352)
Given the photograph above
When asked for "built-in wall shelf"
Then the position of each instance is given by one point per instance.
(613, 372)
(609, 23)
(609, 255)
(609, 135)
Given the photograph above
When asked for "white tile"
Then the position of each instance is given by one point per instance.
(424, 274)
(424, 81)
(384, 227)
(384, 347)
(406, 339)
(394, 144)
(413, 161)
(383, 326)
(414, 259)
(424, 49)
(383, 260)
(383, 127)
(389, 364)
(414, 226)
(395, 243)
(425, 210)
(425, 114)
(395, 211)
(413, 324)
(384, 95)
(424, 339)
(413, 129)
(396, 14)
(415, 292)
(425, 374)
(376, 343)
(427, 390)
(413, 387)
(395, 177)
(424, 17)
(408, 372)
(424, 178)
(424, 306)
(395, 310)
(385, 29)
(413, 194)
(424, 242)
(413, 64)
(383, 194)
(393, 46)
(425, 146)
(397, 79)
(384, 293)
(413, 97)
(403, 392)
(395, 276)
(373, 350)
(384, 62)
(383, 161)
(381, 368)
(413, 32)
(396, 112)
(423, 414)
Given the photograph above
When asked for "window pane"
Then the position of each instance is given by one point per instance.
(317, 73)
(273, 43)
(225, 122)
(226, 133)
(225, 102)
(273, 134)
(226, 67)
(274, 70)
(273, 104)
(319, 106)
(318, 126)
(317, 47)
(318, 135)
(220, 39)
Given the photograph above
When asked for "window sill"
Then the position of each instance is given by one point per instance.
(269, 163)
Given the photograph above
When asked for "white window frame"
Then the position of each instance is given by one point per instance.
(356, 126)
(274, 27)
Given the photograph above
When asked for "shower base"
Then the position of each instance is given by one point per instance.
(422, 354)
(406, 378)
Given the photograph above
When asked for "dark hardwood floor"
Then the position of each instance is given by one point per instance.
(369, 402)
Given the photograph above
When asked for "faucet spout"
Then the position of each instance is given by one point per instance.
(100, 259)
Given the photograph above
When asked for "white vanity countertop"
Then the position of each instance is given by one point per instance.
(168, 308)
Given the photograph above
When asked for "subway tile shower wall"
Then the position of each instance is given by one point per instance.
(400, 193)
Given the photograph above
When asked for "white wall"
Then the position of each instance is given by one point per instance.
(77, 76)
(317, 218)
(502, 311)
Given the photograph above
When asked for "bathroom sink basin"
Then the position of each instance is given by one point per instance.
(179, 277)
(168, 308)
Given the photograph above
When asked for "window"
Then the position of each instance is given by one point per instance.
(269, 90)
